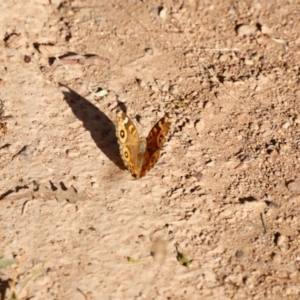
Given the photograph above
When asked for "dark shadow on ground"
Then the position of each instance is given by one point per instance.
(102, 129)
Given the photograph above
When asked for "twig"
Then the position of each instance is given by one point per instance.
(264, 222)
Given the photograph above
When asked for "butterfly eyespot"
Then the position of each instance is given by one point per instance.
(122, 134)
(126, 154)
(160, 139)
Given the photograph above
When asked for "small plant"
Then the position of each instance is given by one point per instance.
(182, 259)
(11, 284)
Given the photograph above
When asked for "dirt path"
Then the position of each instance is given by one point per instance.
(218, 215)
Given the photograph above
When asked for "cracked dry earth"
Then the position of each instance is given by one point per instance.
(217, 217)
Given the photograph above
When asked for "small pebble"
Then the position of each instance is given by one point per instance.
(254, 127)
(223, 58)
(207, 105)
(2, 82)
(281, 240)
(149, 51)
(286, 125)
(164, 13)
(267, 133)
(277, 259)
(274, 153)
(27, 59)
(246, 30)
(210, 163)
(197, 175)
(294, 186)
(174, 90)
(14, 41)
(72, 152)
(239, 254)
(249, 62)
(266, 30)
(297, 120)
(294, 199)
(154, 88)
(154, 11)
(141, 83)
(165, 87)
(272, 204)
(200, 125)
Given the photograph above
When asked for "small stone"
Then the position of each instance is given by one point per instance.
(267, 133)
(165, 87)
(254, 127)
(207, 105)
(272, 204)
(164, 13)
(27, 58)
(280, 240)
(262, 79)
(154, 11)
(249, 62)
(154, 88)
(294, 186)
(159, 83)
(2, 82)
(223, 58)
(277, 173)
(14, 41)
(246, 30)
(210, 163)
(197, 175)
(294, 199)
(248, 160)
(174, 90)
(286, 125)
(239, 254)
(94, 185)
(200, 125)
(274, 153)
(141, 83)
(149, 51)
(284, 148)
(277, 259)
(266, 30)
(72, 152)
(297, 120)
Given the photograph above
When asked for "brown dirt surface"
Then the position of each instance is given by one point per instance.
(217, 217)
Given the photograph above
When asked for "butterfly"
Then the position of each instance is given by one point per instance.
(140, 154)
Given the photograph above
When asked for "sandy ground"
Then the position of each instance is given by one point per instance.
(225, 193)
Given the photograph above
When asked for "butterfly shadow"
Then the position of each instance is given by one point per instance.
(102, 129)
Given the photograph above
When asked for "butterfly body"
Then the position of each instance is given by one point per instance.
(140, 154)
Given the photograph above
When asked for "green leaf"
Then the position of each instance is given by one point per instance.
(132, 260)
(6, 262)
(183, 260)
